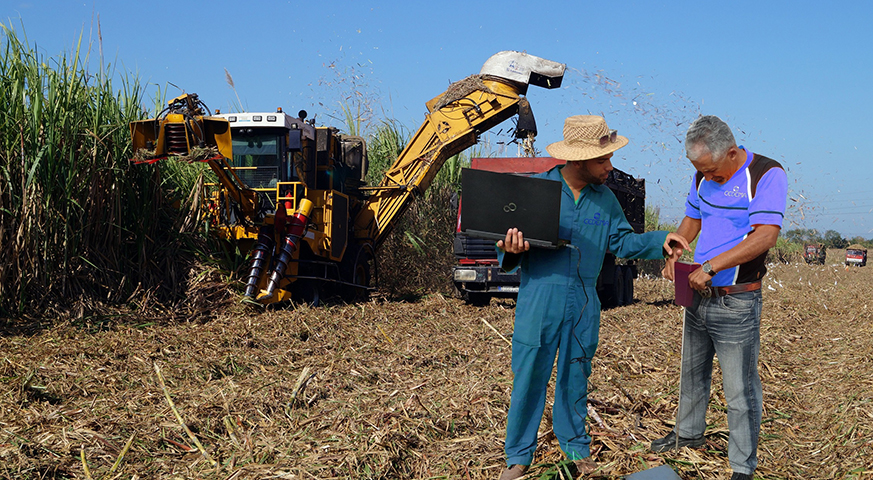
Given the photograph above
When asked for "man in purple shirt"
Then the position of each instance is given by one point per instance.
(736, 205)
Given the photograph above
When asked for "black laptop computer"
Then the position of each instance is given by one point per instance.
(492, 203)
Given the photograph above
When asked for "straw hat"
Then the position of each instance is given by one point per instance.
(586, 137)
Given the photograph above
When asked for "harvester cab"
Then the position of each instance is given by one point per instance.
(292, 195)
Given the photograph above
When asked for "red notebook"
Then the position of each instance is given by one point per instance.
(684, 293)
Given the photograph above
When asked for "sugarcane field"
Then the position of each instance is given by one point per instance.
(417, 388)
(234, 294)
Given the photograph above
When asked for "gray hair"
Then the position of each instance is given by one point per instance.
(708, 134)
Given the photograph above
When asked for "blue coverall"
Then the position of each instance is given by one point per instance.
(558, 310)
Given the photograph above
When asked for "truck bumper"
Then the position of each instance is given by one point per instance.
(485, 280)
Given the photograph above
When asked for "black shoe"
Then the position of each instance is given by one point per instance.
(741, 476)
(669, 443)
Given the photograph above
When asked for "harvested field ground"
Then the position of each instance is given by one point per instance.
(419, 390)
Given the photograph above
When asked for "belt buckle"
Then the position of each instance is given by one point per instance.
(706, 292)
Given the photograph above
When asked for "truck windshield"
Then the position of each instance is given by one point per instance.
(256, 160)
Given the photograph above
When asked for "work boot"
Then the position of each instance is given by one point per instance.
(513, 472)
(669, 443)
(741, 476)
(584, 467)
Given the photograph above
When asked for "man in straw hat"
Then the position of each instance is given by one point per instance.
(558, 309)
(736, 205)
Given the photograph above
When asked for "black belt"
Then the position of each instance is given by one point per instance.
(730, 289)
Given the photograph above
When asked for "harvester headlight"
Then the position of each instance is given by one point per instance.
(231, 119)
(257, 118)
(271, 118)
(465, 275)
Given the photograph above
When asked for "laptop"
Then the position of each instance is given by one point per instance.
(493, 203)
(664, 472)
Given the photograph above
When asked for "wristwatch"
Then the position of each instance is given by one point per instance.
(707, 269)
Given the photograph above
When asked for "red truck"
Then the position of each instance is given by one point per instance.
(814, 253)
(856, 255)
(477, 275)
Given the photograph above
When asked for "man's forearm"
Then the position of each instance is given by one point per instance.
(689, 228)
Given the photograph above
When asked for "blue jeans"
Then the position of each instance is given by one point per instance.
(729, 327)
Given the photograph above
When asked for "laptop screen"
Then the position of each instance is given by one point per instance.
(492, 203)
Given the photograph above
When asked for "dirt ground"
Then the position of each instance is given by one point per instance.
(419, 390)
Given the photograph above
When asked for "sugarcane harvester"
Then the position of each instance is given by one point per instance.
(292, 195)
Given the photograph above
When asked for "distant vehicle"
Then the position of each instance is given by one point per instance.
(814, 253)
(477, 275)
(856, 255)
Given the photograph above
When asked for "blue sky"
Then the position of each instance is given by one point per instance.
(790, 77)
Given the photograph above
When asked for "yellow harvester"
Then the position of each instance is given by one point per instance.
(292, 195)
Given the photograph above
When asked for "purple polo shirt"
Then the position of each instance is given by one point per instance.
(727, 213)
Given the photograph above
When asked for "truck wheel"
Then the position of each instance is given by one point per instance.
(628, 286)
(477, 299)
(618, 286)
